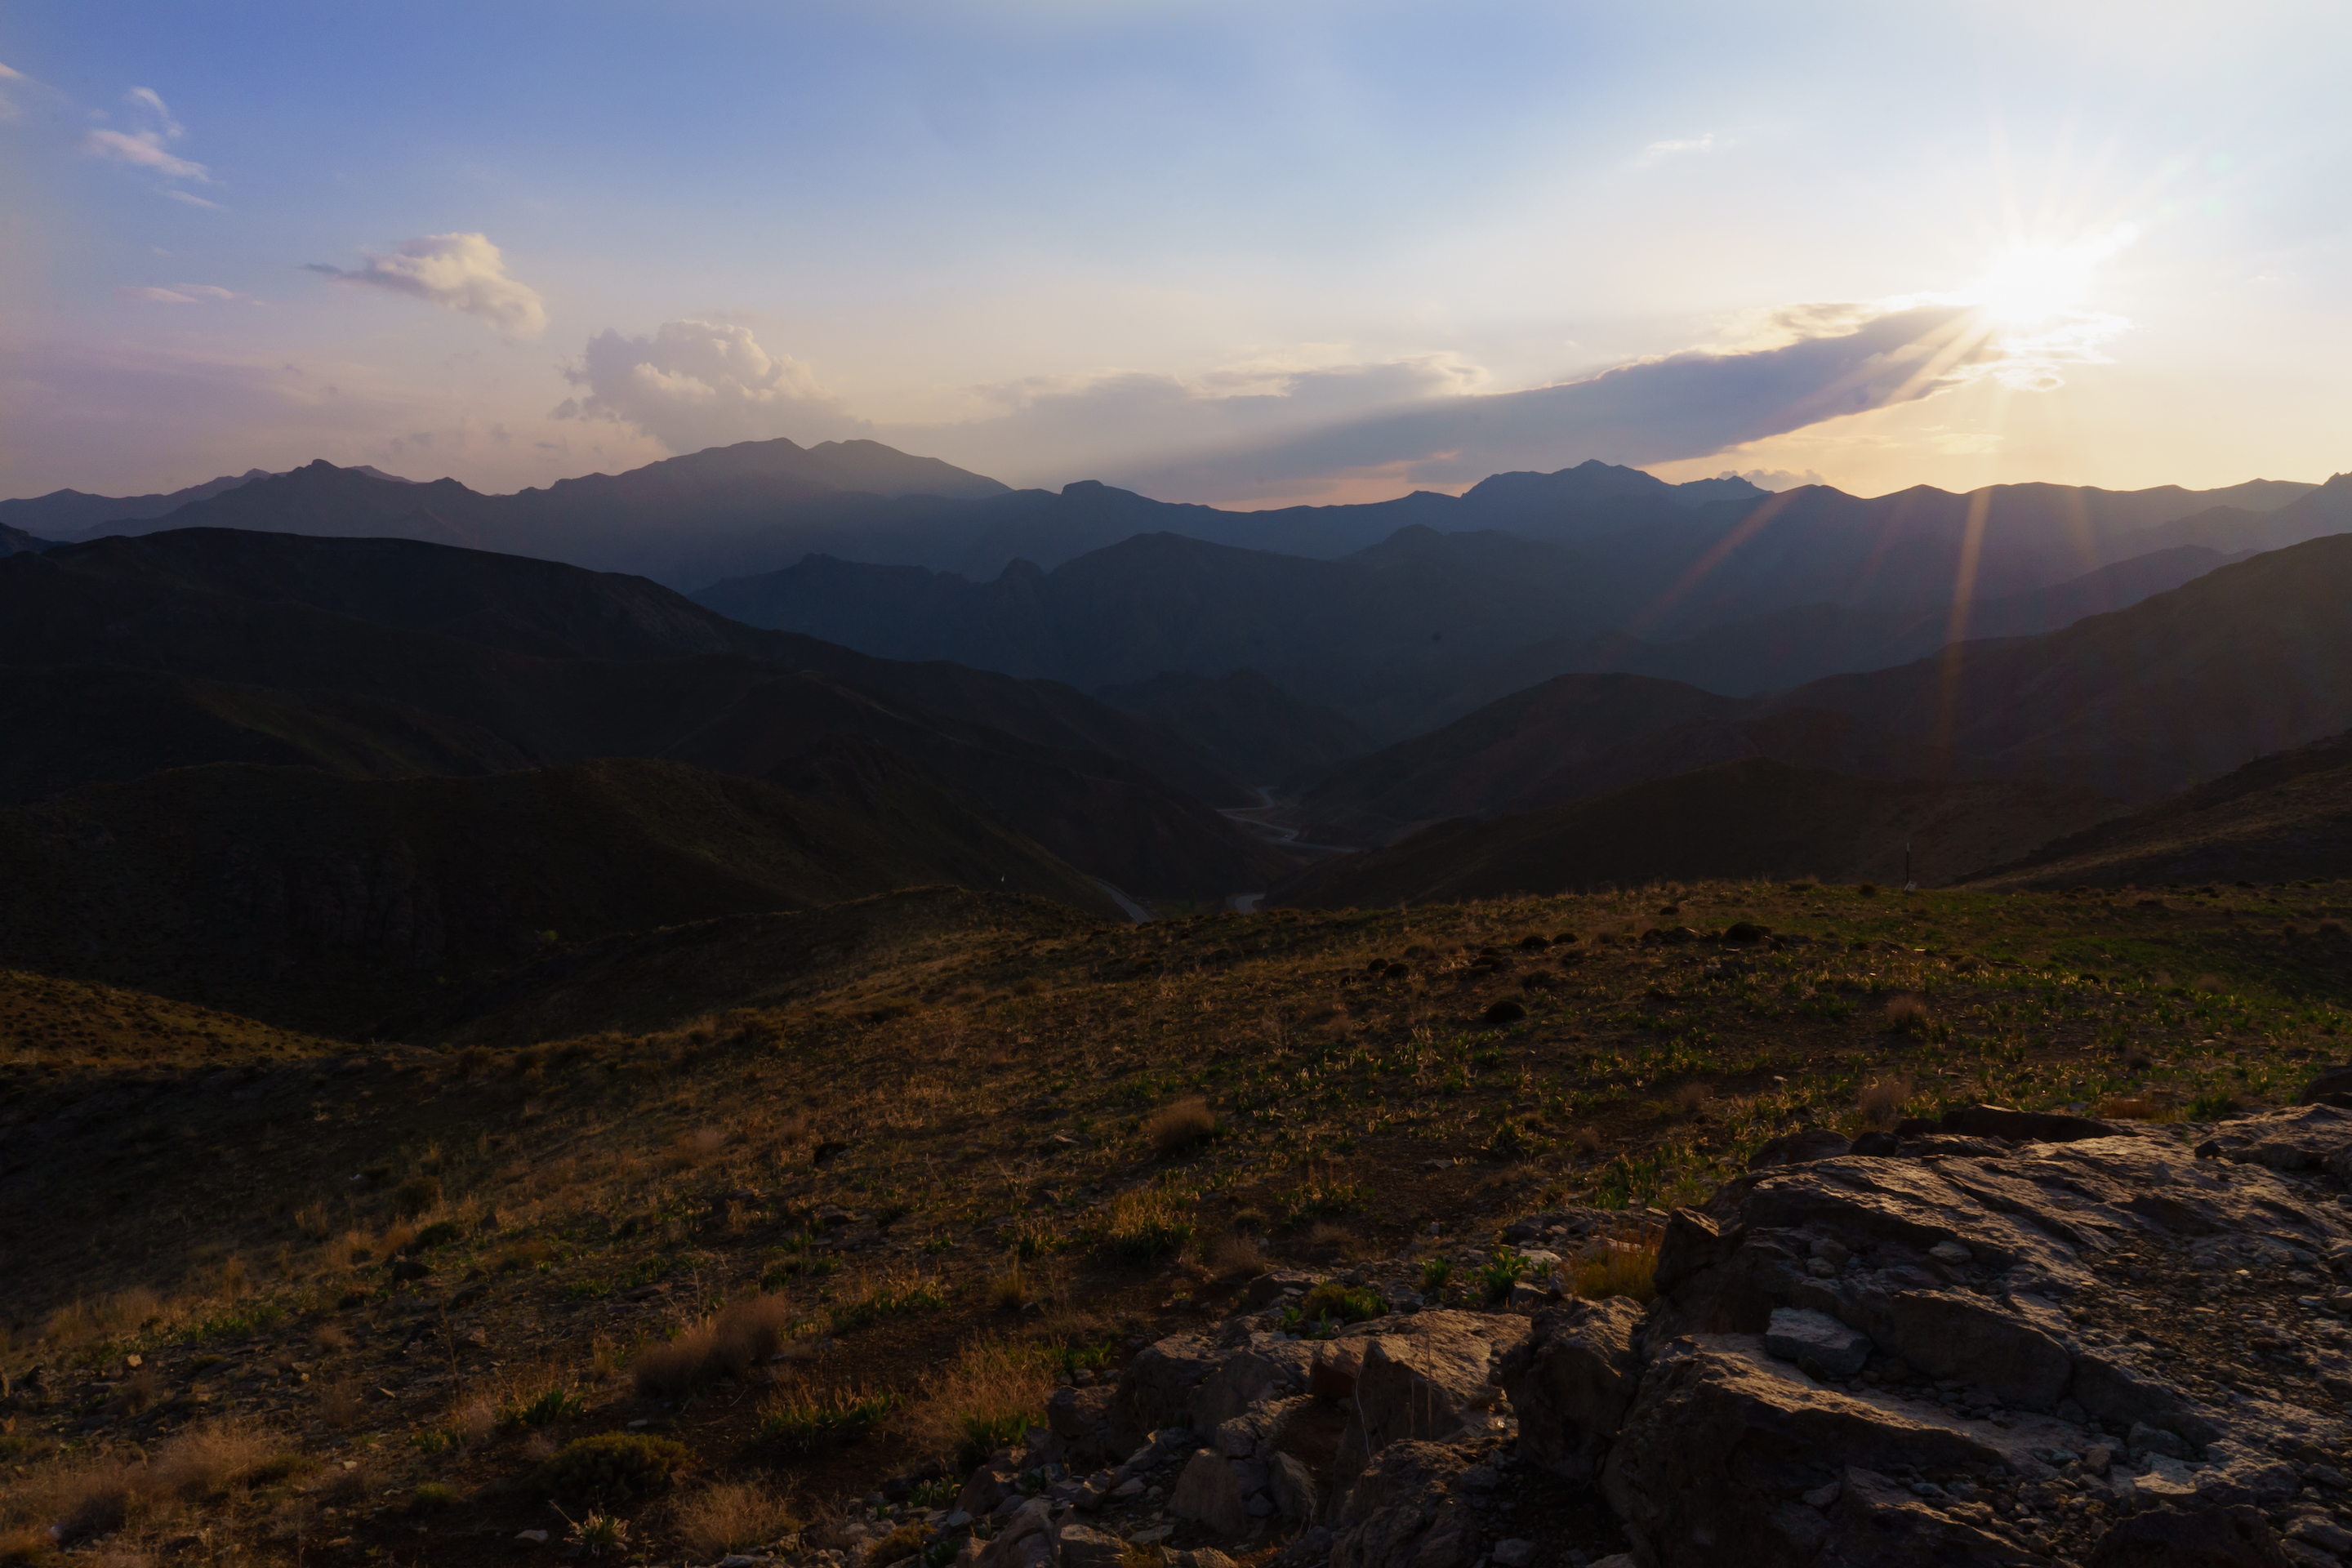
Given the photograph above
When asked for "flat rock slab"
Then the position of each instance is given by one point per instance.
(1802, 1335)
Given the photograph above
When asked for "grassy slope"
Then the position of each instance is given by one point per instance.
(964, 1085)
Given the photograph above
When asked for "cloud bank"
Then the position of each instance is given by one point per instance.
(461, 272)
(694, 384)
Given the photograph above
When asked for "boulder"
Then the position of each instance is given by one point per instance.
(1800, 1148)
(2332, 1082)
(1570, 1381)
(1210, 1494)
(1292, 1487)
(1948, 1334)
(1073, 1413)
(2025, 1126)
(1724, 1446)
(1430, 1376)
(1267, 1365)
(1084, 1547)
(1254, 1432)
(1400, 1512)
(1816, 1341)
(2170, 1537)
(1156, 1389)
(2309, 1138)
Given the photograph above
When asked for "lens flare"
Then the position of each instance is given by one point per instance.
(2034, 283)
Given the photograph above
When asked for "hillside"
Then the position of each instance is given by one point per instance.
(1752, 819)
(480, 661)
(913, 1148)
(1245, 724)
(321, 903)
(2286, 817)
(2252, 658)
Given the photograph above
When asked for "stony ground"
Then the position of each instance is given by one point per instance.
(372, 1287)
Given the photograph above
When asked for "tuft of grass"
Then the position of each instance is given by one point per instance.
(1881, 1100)
(809, 1423)
(1906, 1014)
(983, 1400)
(1502, 1270)
(895, 1295)
(434, 1495)
(2212, 1106)
(1626, 1265)
(728, 1517)
(543, 1409)
(1173, 1129)
(1330, 1306)
(1435, 1274)
(905, 1541)
(1236, 1255)
(1145, 1225)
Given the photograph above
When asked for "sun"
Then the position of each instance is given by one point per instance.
(2030, 283)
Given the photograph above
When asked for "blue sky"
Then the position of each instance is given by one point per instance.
(1238, 253)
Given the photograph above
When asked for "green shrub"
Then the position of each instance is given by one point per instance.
(1331, 1304)
(1434, 1273)
(1502, 1271)
(610, 1467)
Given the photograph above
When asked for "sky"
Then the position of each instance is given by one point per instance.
(1245, 254)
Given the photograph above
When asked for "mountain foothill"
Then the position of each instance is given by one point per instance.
(315, 744)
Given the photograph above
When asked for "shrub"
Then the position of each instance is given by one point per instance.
(724, 1344)
(898, 1545)
(1236, 1255)
(1173, 1129)
(1906, 1014)
(595, 1534)
(1881, 1101)
(212, 1461)
(1434, 1273)
(1331, 1304)
(609, 1468)
(728, 1517)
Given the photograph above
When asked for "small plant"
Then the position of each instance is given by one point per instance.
(1906, 1014)
(2211, 1107)
(1320, 1194)
(1330, 1306)
(433, 1496)
(901, 1543)
(895, 1296)
(1173, 1129)
(1435, 1274)
(1881, 1101)
(609, 1468)
(806, 1424)
(1627, 1266)
(545, 1409)
(1501, 1272)
(1030, 1238)
(594, 1534)
(1145, 1225)
(734, 1516)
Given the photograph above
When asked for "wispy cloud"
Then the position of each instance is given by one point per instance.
(177, 294)
(193, 200)
(1657, 150)
(142, 149)
(461, 272)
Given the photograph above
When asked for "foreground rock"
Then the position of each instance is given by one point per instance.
(2003, 1338)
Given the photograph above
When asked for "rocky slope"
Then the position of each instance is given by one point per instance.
(2002, 1338)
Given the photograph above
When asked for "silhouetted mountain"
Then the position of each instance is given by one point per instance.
(1773, 652)
(1753, 818)
(423, 648)
(13, 540)
(2279, 818)
(1246, 723)
(320, 901)
(2253, 657)
(70, 514)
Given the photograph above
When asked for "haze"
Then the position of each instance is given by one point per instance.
(1234, 254)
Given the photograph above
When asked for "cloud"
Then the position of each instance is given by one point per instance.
(1676, 406)
(695, 383)
(177, 294)
(463, 272)
(1657, 150)
(149, 98)
(193, 200)
(143, 150)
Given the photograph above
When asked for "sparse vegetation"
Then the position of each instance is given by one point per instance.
(727, 1517)
(610, 1468)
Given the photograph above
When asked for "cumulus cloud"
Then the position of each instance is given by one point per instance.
(462, 272)
(1677, 407)
(694, 384)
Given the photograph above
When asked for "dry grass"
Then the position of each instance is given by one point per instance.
(1173, 1129)
(1236, 1255)
(984, 1399)
(726, 1344)
(733, 1516)
(341, 1404)
(212, 1460)
(1906, 1013)
(1618, 1266)
(1006, 1288)
(2136, 1108)
(1881, 1100)
(125, 1311)
(1691, 1099)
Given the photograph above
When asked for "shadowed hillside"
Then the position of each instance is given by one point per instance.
(1751, 819)
(323, 902)
(1245, 724)
(2281, 818)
